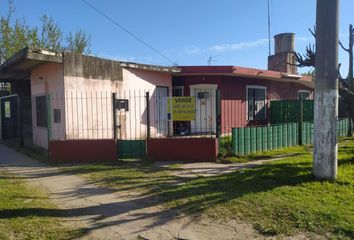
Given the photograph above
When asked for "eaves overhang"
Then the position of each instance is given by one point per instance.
(19, 65)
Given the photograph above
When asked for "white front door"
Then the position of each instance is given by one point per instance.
(161, 111)
(205, 119)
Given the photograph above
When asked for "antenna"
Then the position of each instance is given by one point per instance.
(210, 59)
(270, 51)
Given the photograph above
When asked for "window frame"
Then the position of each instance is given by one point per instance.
(46, 111)
(303, 91)
(265, 101)
(178, 87)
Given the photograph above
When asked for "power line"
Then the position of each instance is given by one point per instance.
(127, 31)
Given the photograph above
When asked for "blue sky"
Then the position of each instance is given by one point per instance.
(232, 32)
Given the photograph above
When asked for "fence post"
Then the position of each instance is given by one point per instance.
(301, 121)
(49, 122)
(20, 121)
(49, 116)
(114, 116)
(147, 114)
(218, 114)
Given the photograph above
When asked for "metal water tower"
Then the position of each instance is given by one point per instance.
(284, 42)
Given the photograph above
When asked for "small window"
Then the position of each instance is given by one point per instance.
(203, 95)
(57, 115)
(7, 109)
(256, 103)
(122, 104)
(177, 91)
(304, 95)
(41, 111)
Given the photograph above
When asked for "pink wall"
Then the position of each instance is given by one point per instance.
(89, 104)
(48, 79)
(86, 104)
(134, 81)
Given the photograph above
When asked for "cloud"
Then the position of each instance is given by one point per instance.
(304, 39)
(227, 47)
(238, 46)
(192, 50)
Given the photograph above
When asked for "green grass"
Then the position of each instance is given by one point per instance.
(281, 197)
(20, 216)
(226, 156)
(277, 153)
(278, 198)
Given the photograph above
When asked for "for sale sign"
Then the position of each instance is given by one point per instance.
(182, 108)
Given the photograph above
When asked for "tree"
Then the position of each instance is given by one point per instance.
(349, 50)
(78, 42)
(308, 59)
(51, 34)
(17, 34)
(346, 85)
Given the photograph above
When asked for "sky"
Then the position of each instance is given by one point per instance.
(188, 32)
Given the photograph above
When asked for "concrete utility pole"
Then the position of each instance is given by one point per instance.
(326, 90)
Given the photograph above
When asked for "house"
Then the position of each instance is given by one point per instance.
(245, 93)
(83, 107)
(70, 96)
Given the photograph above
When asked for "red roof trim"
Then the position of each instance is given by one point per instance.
(238, 71)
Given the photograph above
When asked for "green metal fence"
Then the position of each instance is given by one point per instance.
(131, 149)
(258, 139)
(288, 111)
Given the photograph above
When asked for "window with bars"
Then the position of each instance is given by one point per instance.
(41, 111)
(304, 95)
(177, 91)
(256, 103)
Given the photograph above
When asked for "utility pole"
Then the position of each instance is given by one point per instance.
(326, 90)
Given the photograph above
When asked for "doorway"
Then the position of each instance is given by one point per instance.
(205, 119)
(162, 124)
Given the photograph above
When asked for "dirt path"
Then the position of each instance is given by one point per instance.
(108, 215)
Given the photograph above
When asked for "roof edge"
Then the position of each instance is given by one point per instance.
(148, 67)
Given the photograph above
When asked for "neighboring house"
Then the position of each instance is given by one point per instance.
(79, 90)
(245, 93)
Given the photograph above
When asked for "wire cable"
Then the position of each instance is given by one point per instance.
(129, 32)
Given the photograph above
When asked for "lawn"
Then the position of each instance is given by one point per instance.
(276, 153)
(280, 197)
(19, 213)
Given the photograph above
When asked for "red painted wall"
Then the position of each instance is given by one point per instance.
(233, 95)
(182, 149)
(76, 151)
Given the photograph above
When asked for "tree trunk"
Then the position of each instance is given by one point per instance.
(350, 78)
(346, 103)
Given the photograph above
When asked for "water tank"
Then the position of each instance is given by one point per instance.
(284, 42)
